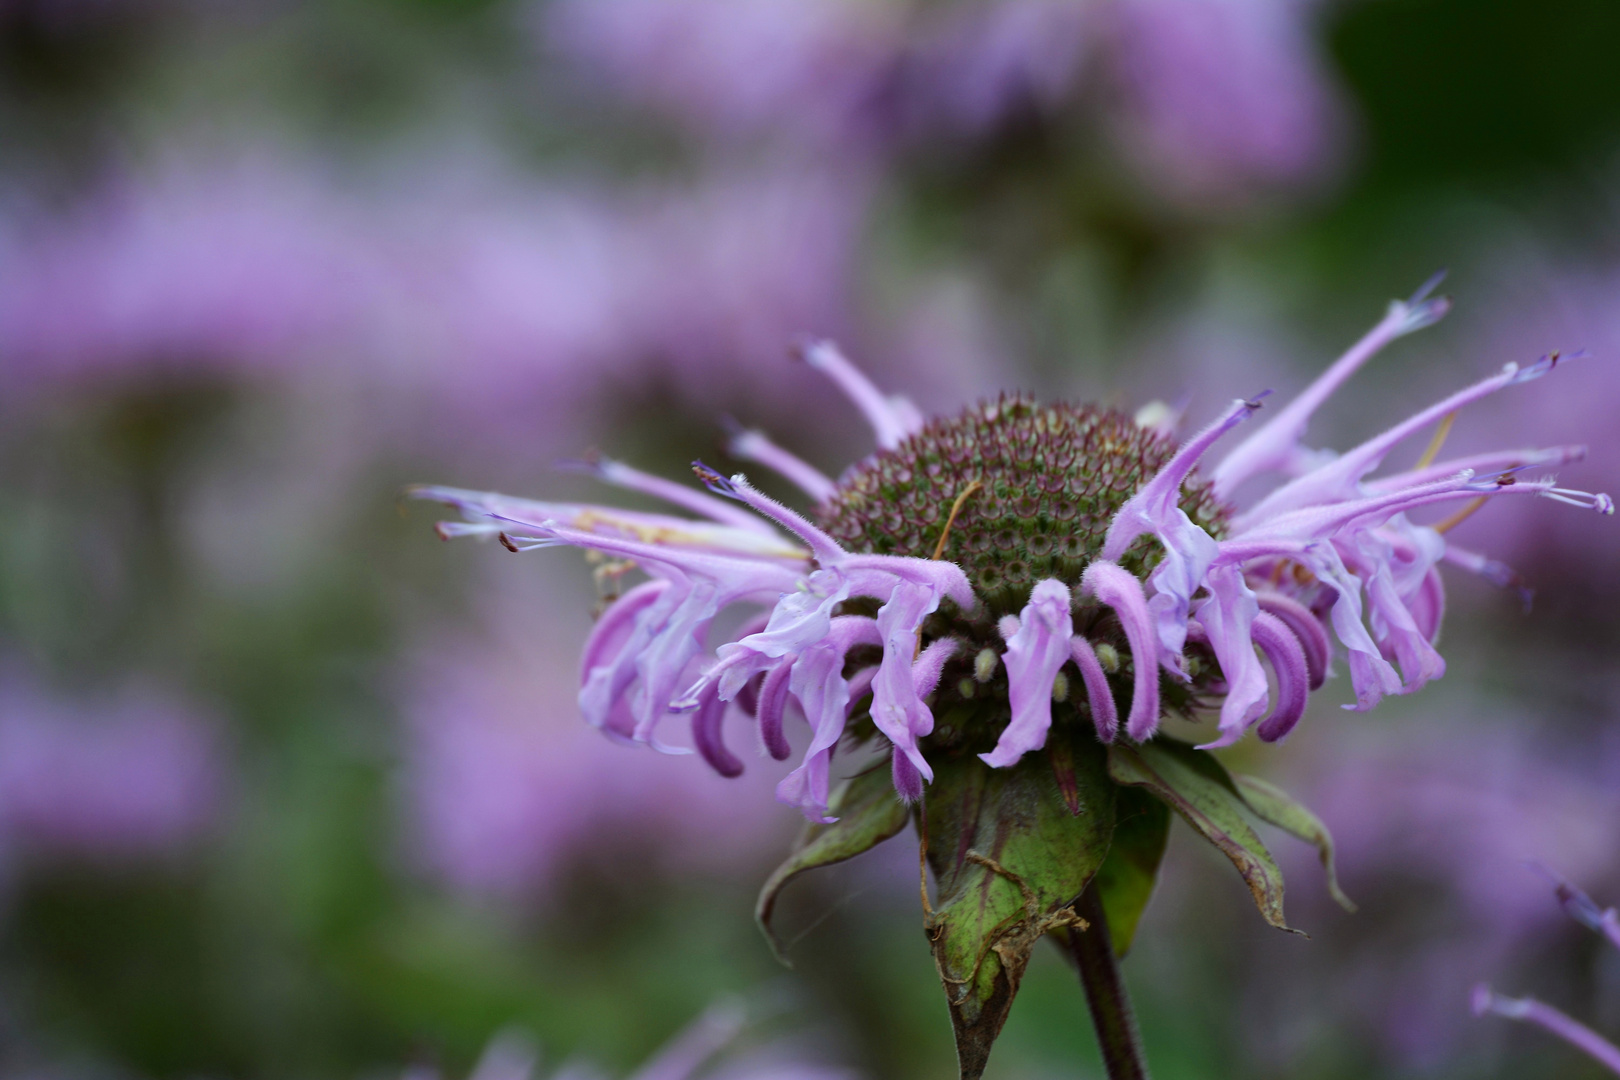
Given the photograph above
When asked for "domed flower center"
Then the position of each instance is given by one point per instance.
(1049, 480)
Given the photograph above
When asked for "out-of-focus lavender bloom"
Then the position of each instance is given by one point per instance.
(1213, 100)
(810, 67)
(1583, 1038)
(485, 294)
(976, 64)
(136, 776)
(1446, 820)
(241, 267)
(1221, 99)
(513, 1056)
(1238, 588)
(504, 786)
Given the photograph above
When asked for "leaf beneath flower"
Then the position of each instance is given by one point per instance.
(1125, 881)
(1197, 787)
(1271, 804)
(1009, 859)
(868, 813)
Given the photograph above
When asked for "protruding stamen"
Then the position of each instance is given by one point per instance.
(1432, 451)
(892, 419)
(754, 445)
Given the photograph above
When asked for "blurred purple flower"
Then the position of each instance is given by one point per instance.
(809, 68)
(1446, 819)
(135, 776)
(704, 1042)
(242, 267)
(1224, 99)
(504, 786)
(488, 294)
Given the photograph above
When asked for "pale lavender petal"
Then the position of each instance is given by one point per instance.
(1287, 655)
(1392, 623)
(1100, 696)
(823, 547)
(818, 683)
(1119, 589)
(1370, 674)
(1489, 462)
(663, 530)
(897, 710)
(1306, 628)
(605, 667)
(1275, 447)
(892, 420)
(753, 445)
(1227, 617)
(1034, 656)
(1149, 510)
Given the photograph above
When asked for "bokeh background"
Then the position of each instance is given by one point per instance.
(289, 789)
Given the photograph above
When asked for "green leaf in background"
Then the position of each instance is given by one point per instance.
(1126, 879)
(1198, 788)
(1271, 804)
(868, 813)
(1009, 860)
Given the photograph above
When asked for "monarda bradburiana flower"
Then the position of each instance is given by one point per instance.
(1005, 604)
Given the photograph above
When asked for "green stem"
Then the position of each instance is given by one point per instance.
(1111, 1014)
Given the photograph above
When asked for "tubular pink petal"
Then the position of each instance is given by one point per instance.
(1119, 589)
(1370, 674)
(817, 681)
(706, 736)
(1287, 656)
(891, 421)
(630, 478)
(753, 445)
(773, 697)
(1428, 606)
(1341, 477)
(897, 710)
(1393, 626)
(1227, 617)
(930, 663)
(822, 547)
(1035, 654)
(1275, 446)
(1099, 695)
(1493, 461)
(1307, 630)
(606, 522)
(1549, 1019)
(1149, 510)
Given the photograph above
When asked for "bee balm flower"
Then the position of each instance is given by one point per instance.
(939, 591)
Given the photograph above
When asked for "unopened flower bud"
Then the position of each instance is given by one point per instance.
(984, 665)
(1060, 687)
(964, 689)
(1108, 657)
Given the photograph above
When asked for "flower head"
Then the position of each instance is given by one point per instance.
(935, 597)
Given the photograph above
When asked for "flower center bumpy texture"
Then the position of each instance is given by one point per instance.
(1051, 478)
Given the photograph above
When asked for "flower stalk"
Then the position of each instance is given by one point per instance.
(1106, 995)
